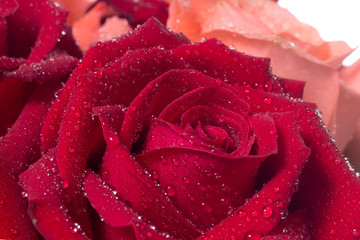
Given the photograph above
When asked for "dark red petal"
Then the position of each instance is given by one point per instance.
(54, 67)
(166, 135)
(135, 187)
(201, 184)
(151, 34)
(265, 133)
(168, 87)
(104, 200)
(118, 83)
(13, 95)
(264, 210)
(146, 232)
(9, 64)
(111, 118)
(105, 231)
(327, 182)
(20, 147)
(218, 61)
(236, 126)
(40, 23)
(47, 202)
(294, 226)
(3, 41)
(8, 7)
(14, 221)
(293, 87)
(67, 43)
(138, 11)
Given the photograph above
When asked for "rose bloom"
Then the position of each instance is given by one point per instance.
(262, 28)
(155, 137)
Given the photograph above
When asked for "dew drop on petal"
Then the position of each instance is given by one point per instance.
(170, 191)
(267, 212)
(242, 214)
(252, 236)
(332, 232)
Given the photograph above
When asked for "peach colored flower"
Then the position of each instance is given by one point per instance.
(263, 28)
(351, 76)
(87, 27)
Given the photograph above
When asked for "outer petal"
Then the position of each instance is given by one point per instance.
(54, 67)
(49, 21)
(151, 34)
(218, 61)
(329, 189)
(124, 80)
(129, 179)
(20, 147)
(14, 221)
(47, 202)
(13, 95)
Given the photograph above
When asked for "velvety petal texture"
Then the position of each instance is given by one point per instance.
(155, 137)
(262, 28)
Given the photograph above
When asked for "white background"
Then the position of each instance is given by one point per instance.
(334, 19)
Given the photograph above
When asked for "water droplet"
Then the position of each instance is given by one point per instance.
(267, 100)
(98, 73)
(155, 175)
(65, 184)
(276, 189)
(252, 236)
(242, 214)
(267, 212)
(186, 180)
(356, 232)
(332, 232)
(170, 191)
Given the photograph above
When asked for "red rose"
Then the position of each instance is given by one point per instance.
(173, 140)
(35, 45)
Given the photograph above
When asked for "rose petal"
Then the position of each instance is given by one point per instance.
(54, 217)
(8, 7)
(138, 11)
(234, 68)
(294, 226)
(85, 29)
(200, 184)
(151, 34)
(9, 64)
(194, 177)
(104, 200)
(160, 92)
(293, 87)
(20, 147)
(54, 67)
(346, 116)
(49, 21)
(151, 204)
(14, 221)
(104, 231)
(125, 84)
(327, 172)
(3, 41)
(147, 232)
(13, 95)
(76, 8)
(111, 118)
(292, 63)
(259, 216)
